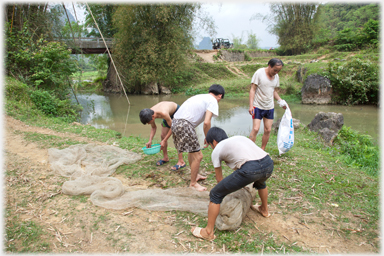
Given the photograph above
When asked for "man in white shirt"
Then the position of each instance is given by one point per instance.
(192, 112)
(250, 163)
(261, 105)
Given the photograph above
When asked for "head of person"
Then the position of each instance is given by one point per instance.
(146, 115)
(274, 66)
(215, 135)
(217, 90)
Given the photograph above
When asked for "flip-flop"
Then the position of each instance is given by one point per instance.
(177, 167)
(161, 162)
(256, 209)
(196, 233)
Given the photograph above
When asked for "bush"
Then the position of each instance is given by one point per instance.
(25, 102)
(359, 150)
(40, 63)
(356, 82)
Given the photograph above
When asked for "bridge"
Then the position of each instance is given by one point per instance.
(89, 45)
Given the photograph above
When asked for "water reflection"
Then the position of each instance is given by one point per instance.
(114, 112)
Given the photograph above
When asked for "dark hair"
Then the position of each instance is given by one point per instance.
(217, 89)
(146, 115)
(217, 134)
(275, 62)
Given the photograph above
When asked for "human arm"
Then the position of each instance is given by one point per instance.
(169, 122)
(219, 174)
(152, 134)
(207, 124)
(252, 97)
(282, 103)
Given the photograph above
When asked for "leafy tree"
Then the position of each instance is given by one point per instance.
(356, 82)
(253, 41)
(238, 42)
(103, 14)
(295, 24)
(346, 24)
(153, 41)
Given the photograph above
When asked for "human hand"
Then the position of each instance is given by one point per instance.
(282, 103)
(162, 145)
(251, 109)
(148, 144)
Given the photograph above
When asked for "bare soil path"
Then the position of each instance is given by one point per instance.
(76, 225)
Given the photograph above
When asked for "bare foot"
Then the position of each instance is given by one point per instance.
(257, 208)
(200, 177)
(202, 233)
(198, 187)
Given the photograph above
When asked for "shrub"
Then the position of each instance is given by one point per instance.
(356, 82)
(359, 150)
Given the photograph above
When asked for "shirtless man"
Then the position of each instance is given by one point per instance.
(164, 110)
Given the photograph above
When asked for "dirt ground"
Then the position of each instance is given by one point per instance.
(66, 222)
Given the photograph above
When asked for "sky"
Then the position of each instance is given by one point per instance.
(231, 19)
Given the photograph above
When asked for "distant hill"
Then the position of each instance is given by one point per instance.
(205, 44)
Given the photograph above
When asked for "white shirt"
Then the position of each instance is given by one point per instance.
(193, 109)
(235, 151)
(264, 90)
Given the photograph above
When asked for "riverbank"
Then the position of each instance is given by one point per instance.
(319, 203)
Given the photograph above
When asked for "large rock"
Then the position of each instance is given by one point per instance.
(316, 90)
(151, 88)
(327, 125)
(164, 90)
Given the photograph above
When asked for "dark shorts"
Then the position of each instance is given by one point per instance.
(256, 171)
(184, 136)
(164, 123)
(260, 113)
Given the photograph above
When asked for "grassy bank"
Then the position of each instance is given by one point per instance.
(325, 186)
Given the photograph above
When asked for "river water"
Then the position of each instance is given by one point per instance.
(113, 112)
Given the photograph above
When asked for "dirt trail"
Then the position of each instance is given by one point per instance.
(70, 224)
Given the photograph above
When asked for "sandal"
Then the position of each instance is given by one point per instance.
(161, 162)
(177, 167)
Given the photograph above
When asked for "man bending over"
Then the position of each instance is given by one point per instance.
(166, 111)
(250, 164)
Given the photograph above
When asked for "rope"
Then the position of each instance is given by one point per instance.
(110, 56)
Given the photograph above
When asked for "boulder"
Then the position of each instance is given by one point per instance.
(316, 90)
(164, 90)
(327, 125)
(151, 88)
(300, 74)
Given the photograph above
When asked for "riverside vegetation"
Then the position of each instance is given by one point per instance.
(330, 191)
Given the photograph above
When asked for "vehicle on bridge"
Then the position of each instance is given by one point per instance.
(220, 43)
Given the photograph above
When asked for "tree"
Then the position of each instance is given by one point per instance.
(253, 41)
(295, 24)
(238, 41)
(152, 41)
(103, 14)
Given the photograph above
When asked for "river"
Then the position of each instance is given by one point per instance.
(113, 112)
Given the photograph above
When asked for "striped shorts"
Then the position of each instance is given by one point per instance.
(184, 136)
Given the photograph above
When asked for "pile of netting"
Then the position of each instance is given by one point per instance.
(89, 167)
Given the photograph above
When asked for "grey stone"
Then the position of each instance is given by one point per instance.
(164, 90)
(327, 125)
(317, 89)
(328, 135)
(151, 88)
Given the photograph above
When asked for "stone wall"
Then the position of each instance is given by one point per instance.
(231, 56)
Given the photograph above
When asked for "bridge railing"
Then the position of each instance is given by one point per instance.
(89, 42)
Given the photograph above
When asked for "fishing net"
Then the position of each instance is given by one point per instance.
(89, 167)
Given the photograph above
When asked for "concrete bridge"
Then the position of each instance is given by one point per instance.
(89, 45)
